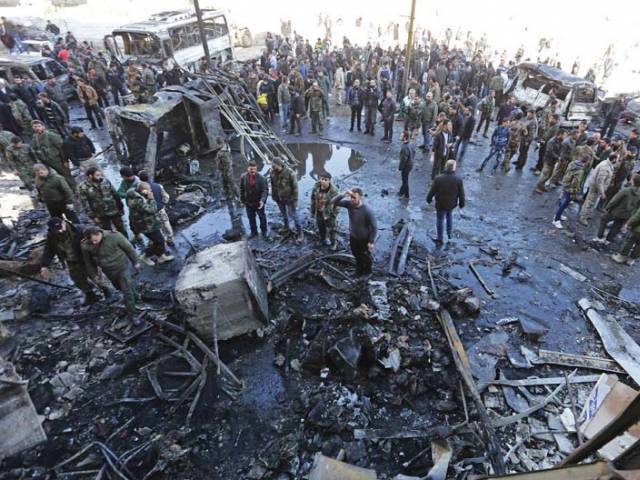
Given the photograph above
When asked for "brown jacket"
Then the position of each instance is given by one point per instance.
(87, 94)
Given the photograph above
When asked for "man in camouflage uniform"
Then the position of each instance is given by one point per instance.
(20, 158)
(47, 147)
(547, 130)
(113, 254)
(567, 151)
(531, 124)
(21, 113)
(5, 141)
(323, 210)
(414, 118)
(429, 114)
(284, 191)
(229, 186)
(101, 202)
(517, 132)
(486, 107)
(54, 192)
(316, 99)
(63, 241)
(148, 78)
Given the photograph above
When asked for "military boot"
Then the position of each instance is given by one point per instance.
(165, 257)
(146, 260)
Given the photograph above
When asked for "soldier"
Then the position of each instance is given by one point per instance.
(5, 140)
(571, 187)
(567, 151)
(619, 210)
(548, 130)
(551, 157)
(486, 107)
(325, 86)
(47, 148)
(531, 125)
(599, 181)
(80, 149)
(63, 241)
(324, 211)
(54, 192)
(101, 201)
(148, 78)
(20, 157)
(429, 114)
(21, 113)
(414, 118)
(161, 197)
(254, 191)
(630, 249)
(143, 218)
(388, 111)
(111, 253)
(516, 133)
(316, 99)
(370, 101)
(284, 191)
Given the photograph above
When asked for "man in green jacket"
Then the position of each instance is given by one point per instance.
(486, 107)
(143, 218)
(284, 191)
(101, 201)
(114, 255)
(20, 158)
(54, 192)
(618, 210)
(571, 187)
(316, 99)
(324, 211)
(630, 250)
(47, 146)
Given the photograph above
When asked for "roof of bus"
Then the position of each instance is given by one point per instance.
(164, 20)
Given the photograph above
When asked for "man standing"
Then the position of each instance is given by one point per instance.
(284, 191)
(530, 124)
(297, 112)
(323, 210)
(355, 102)
(619, 210)
(161, 197)
(284, 102)
(129, 180)
(499, 141)
(388, 110)
(63, 241)
(51, 113)
(567, 150)
(552, 152)
(442, 148)
(612, 114)
(448, 191)
(406, 163)
(316, 99)
(143, 218)
(486, 106)
(370, 100)
(325, 87)
(89, 99)
(413, 117)
(253, 195)
(54, 192)
(516, 132)
(56, 93)
(363, 228)
(113, 254)
(338, 84)
(465, 132)
(20, 158)
(571, 187)
(79, 149)
(48, 149)
(598, 183)
(429, 114)
(630, 249)
(101, 202)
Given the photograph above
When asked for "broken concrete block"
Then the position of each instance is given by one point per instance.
(225, 283)
(380, 298)
(19, 422)
(325, 468)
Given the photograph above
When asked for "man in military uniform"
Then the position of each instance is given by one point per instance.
(231, 194)
(323, 210)
(486, 107)
(316, 99)
(5, 141)
(21, 113)
(414, 118)
(101, 202)
(54, 192)
(63, 241)
(143, 218)
(548, 130)
(567, 151)
(148, 78)
(531, 124)
(20, 158)
(517, 131)
(284, 191)
(429, 113)
(48, 149)
(114, 255)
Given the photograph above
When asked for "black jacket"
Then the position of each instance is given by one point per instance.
(448, 190)
(253, 196)
(467, 127)
(297, 105)
(440, 147)
(50, 250)
(406, 158)
(78, 149)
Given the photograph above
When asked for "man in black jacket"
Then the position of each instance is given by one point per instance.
(388, 110)
(441, 148)
(79, 148)
(448, 191)
(611, 116)
(254, 191)
(297, 112)
(63, 241)
(406, 163)
(465, 133)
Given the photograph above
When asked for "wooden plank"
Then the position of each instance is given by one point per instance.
(461, 360)
(577, 361)
(533, 382)
(442, 431)
(617, 342)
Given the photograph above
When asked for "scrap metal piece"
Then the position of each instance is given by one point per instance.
(398, 263)
(579, 361)
(476, 273)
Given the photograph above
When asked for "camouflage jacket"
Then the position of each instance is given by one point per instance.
(20, 158)
(532, 129)
(486, 106)
(100, 199)
(315, 99)
(323, 200)
(20, 112)
(414, 115)
(5, 140)
(517, 132)
(53, 189)
(572, 180)
(142, 213)
(47, 147)
(284, 185)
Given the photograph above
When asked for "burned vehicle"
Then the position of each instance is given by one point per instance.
(532, 85)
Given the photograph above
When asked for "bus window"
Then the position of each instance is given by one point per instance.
(216, 27)
(132, 43)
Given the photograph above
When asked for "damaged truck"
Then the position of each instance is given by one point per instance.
(531, 85)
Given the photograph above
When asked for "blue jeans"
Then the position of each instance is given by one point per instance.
(440, 217)
(498, 152)
(427, 139)
(564, 202)
(252, 211)
(288, 209)
(284, 114)
(461, 148)
(346, 95)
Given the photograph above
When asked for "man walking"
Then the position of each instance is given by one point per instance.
(48, 149)
(428, 120)
(630, 249)
(442, 145)
(20, 158)
(316, 99)
(363, 228)
(297, 112)
(388, 110)
(370, 100)
(79, 149)
(571, 187)
(618, 210)
(54, 192)
(253, 195)
(499, 141)
(465, 132)
(531, 132)
(405, 166)
(324, 211)
(161, 197)
(101, 201)
(284, 191)
(284, 102)
(355, 102)
(551, 157)
(598, 183)
(486, 107)
(448, 191)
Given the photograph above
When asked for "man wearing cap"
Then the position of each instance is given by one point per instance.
(114, 255)
(324, 211)
(254, 191)
(48, 149)
(101, 202)
(63, 241)
(54, 192)
(79, 149)
(20, 157)
(284, 191)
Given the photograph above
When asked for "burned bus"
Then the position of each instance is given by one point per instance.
(531, 85)
(172, 37)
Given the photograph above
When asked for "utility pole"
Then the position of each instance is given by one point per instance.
(203, 36)
(409, 48)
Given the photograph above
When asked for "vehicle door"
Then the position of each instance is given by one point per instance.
(583, 102)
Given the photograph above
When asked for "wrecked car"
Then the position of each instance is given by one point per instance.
(531, 84)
